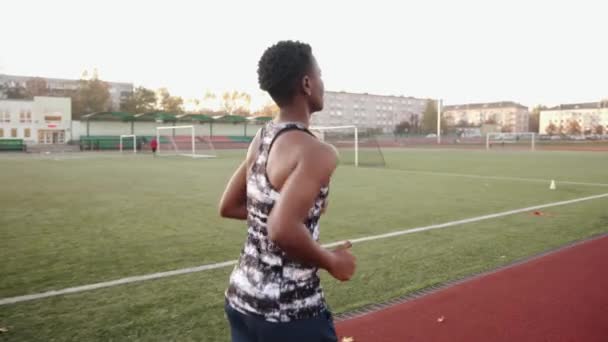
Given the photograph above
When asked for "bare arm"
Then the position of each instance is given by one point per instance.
(234, 200)
(285, 224)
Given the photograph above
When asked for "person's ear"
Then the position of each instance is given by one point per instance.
(306, 85)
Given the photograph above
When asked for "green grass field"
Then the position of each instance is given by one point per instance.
(79, 221)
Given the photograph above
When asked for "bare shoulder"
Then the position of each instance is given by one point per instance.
(317, 156)
(304, 146)
(321, 153)
(253, 148)
(299, 150)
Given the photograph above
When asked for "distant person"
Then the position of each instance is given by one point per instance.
(281, 189)
(154, 145)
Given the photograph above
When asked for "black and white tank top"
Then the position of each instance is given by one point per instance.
(265, 281)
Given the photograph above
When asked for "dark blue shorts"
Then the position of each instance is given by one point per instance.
(251, 328)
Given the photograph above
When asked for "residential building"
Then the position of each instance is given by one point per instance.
(368, 111)
(590, 116)
(511, 116)
(119, 91)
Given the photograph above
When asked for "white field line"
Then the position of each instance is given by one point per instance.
(536, 180)
(134, 279)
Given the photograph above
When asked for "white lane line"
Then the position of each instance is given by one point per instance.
(536, 180)
(135, 279)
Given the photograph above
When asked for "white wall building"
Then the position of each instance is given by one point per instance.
(368, 110)
(511, 116)
(589, 115)
(43, 120)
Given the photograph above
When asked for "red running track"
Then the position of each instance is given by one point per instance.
(562, 296)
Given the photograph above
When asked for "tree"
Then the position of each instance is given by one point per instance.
(269, 109)
(551, 129)
(403, 127)
(242, 111)
(463, 123)
(13, 91)
(92, 95)
(490, 121)
(168, 103)
(506, 129)
(415, 123)
(573, 127)
(141, 100)
(599, 129)
(236, 102)
(534, 119)
(36, 86)
(429, 118)
(206, 104)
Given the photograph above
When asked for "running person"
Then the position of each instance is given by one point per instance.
(281, 189)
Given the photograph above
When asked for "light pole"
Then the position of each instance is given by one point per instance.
(438, 121)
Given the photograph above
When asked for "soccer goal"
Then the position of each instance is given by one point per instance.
(354, 147)
(183, 141)
(127, 141)
(519, 141)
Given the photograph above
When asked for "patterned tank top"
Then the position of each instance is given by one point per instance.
(265, 281)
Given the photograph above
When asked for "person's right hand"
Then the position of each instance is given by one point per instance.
(343, 262)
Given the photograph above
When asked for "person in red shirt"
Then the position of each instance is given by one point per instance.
(154, 145)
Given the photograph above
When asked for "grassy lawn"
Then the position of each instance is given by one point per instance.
(74, 222)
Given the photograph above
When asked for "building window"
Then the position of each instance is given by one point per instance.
(26, 132)
(52, 118)
(5, 117)
(13, 132)
(25, 117)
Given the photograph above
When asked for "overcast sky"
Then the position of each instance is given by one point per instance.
(532, 52)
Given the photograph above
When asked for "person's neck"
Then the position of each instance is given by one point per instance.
(294, 114)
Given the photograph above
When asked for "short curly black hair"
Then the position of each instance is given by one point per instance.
(281, 68)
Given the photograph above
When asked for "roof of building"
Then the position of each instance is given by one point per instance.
(585, 105)
(368, 94)
(32, 100)
(502, 104)
(195, 117)
(25, 78)
(103, 116)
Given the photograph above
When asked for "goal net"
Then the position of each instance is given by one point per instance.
(354, 147)
(515, 141)
(183, 141)
(128, 143)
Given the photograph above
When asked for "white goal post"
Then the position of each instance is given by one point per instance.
(185, 144)
(320, 132)
(524, 139)
(128, 136)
